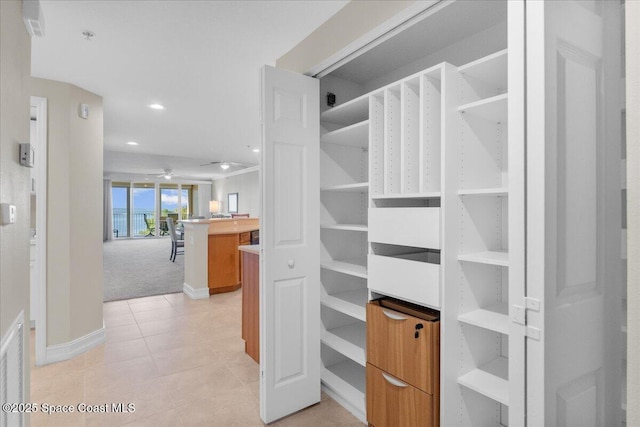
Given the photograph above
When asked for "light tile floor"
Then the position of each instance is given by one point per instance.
(180, 361)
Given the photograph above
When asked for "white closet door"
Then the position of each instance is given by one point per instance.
(573, 213)
(290, 236)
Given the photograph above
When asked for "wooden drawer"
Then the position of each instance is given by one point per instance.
(393, 403)
(407, 277)
(417, 227)
(393, 347)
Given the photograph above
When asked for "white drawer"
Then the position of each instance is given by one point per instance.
(406, 277)
(418, 227)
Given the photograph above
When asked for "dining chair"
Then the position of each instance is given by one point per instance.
(175, 242)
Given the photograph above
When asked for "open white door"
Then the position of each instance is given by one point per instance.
(290, 239)
(574, 213)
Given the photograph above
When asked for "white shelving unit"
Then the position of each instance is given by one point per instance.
(490, 380)
(352, 303)
(344, 181)
(475, 256)
(500, 258)
(435, 153)
(345, 227)
(349, 340)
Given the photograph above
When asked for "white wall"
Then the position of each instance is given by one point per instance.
(74, 211)
(248, 188)
(204, 195)
(15, 69)
(353, 21)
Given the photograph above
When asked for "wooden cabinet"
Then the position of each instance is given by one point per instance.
(391, 402)
(251, 303)
(403, 365)
(224, 263)
(224, 260)
(403, 346)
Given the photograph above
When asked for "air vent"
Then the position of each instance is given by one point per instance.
(33, 17)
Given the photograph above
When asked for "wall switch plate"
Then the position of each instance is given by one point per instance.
(7, 213)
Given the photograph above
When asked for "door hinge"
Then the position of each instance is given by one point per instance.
(533, 333)
(519, 312)
(532, 303)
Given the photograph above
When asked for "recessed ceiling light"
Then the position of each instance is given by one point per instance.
(224, 166)
(157, 107)
(132, 143)
(256, 150)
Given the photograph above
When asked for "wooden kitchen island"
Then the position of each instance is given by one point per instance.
(224, 262)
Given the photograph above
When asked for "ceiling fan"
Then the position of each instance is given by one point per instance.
(167, 174)
(225, 165)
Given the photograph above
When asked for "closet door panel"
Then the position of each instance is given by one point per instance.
(290, 274)
(574, 176)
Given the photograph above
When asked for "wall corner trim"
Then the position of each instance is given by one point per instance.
(66, 351)
(195, 293)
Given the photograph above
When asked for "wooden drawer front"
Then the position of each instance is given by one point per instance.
(410, 280)
(418, 227)
(245, 238)
(392, 403)
(393, 347)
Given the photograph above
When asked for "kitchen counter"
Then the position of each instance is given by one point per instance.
(254, 249)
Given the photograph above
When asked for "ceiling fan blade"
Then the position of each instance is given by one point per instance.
(212, 163)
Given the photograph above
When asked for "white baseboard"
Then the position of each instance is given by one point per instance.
(345, 403)
(66, 351)
(195, 293)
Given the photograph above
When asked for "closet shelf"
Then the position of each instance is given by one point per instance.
(493, 109)
(351, 303)
(428, 195)
(350, 112)
(347, 380)
(490, 70)
(358, 187)
(345, 227)
(353, 267)
(490, 380)
(495, 318)
(349, 340)
(501, 192)
(500, 258)
(356, 135)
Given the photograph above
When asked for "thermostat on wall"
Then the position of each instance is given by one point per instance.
(27, 155)
(7, 213)
(83, 111)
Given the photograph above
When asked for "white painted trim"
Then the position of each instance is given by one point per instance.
(398, 23)
(240, 172)
(345, 403)
(195, 293)
(66, 351)
(632, 10)
(41, 229)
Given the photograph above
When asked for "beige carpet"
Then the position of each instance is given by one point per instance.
(139, 268)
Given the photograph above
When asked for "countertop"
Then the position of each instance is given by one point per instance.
(234, 229)
(254, 249)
